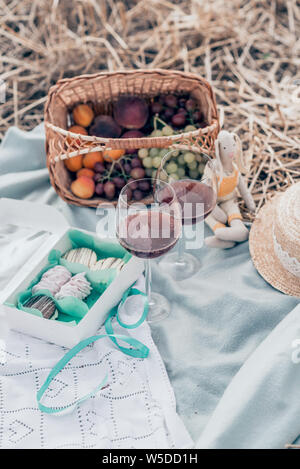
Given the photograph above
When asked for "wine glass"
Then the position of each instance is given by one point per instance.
(149, 231)
(197, 198)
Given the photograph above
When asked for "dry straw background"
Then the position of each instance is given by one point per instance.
(248, 50)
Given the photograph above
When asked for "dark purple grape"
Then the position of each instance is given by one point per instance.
(137, 173)
(118, 167)
(119, 182)
(182, 110)
(136, 163)
(171, 100)
(156, 107)
(178, 119)
(98, 177)
(181, 102)
(144, 186)
(99, 189)
(99, 167)
(168, 112)
(137, 194)
(108, 165)
(133, 184)
(129, 193)
(190, 105)
(127, 168)
(109, 190)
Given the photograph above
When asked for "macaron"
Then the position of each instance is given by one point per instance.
(109, 263)
(53, 279)
(78, 286)
(44, 304)
(83, 256)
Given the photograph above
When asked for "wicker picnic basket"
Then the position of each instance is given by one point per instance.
(101, 90)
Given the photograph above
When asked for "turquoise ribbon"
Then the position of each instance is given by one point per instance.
(138, 350)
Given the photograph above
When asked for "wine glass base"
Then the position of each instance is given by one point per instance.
(159, 308)
(186, 268)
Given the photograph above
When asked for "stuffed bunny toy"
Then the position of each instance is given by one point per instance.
(226, 220)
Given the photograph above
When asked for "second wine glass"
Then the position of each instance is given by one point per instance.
(197, 198)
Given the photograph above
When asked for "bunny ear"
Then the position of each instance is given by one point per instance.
(219, 167)
(242, 161)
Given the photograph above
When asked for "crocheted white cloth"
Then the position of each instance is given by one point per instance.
(137, 409)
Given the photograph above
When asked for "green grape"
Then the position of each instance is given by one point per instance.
(148, 172)
(181, 172)
(175, 153)
(171, 168)
(190, 128)
(174, 176)
(156, 133)
(147, 162)
(201, 168)
(180, 160)
(167, 130)
(189, 157)
(153, 152)
(156, 162)
(193, 165)
(163, 152)
(194, 174)
(163, 176)
(143, 153)
(154, 173)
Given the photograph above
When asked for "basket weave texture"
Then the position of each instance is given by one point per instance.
(102, 90)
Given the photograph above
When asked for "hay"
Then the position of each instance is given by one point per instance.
(249, 50)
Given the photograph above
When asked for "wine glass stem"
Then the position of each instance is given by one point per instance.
(180, 249)
(148, 278)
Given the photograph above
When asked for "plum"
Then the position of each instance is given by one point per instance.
(105, 126)
(131, 112)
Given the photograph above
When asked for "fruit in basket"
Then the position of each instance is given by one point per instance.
(137, 173)
(105, 126)
(109, 190)
(74, 164)
(83, 115)
(83, 187)
(85, 172)
(90, 159)
(76, 129)
(131, 112)
(110, 155)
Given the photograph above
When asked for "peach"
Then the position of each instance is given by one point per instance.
(110, 155)
(131, 112)
(76, 129)
(74, 164)
(89, 173)
(83, 115)
(83, 187)
(90, 159)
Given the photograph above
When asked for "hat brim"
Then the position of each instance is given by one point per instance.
(263, 255)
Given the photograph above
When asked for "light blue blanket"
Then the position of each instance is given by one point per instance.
(230, 344)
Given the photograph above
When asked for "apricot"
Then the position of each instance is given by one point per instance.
(83, 187)
(89, 173)
(131, 112)
(83, 115)
(110, 155)
(77, 129)
(90, 159)
(74, 164)
(105, 126)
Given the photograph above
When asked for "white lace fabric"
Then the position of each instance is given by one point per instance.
(136, 410)
(291, 264)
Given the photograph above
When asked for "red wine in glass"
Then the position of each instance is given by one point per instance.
(149, 234)
(200, 197)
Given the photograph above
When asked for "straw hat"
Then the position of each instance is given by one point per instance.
(275, 241)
